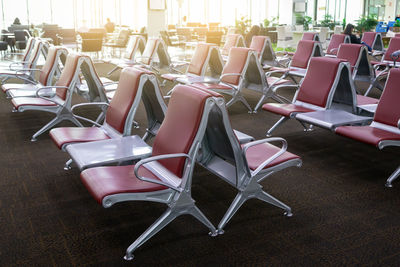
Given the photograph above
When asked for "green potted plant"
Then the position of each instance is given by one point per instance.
(242, 25)
(396, 26)
(366, 23)
(328, 22)
(303, 20)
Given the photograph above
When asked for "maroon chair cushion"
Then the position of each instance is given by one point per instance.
(367, 134)
(30, 101)
(350, 52)
(231, 40)
(394, 45)
(285, 109)
(318, 81)
(105, 181)
(334, 44)
(309, 36)
(257, 43)
(180, 125)
(48, 65)
(67, 74)
(368, 38)
(199, 58)
(124, 97)
(67, 135)
(303, 54)
(388, 110)
(257, 154)
(366, 100)
(236, 61)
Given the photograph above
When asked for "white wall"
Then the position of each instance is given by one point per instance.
(156, 22)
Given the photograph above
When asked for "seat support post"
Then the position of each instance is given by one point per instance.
(184, 204)
(280, 121)
(252, 190)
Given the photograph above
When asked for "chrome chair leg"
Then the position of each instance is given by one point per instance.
(393, 177)
(280, 121)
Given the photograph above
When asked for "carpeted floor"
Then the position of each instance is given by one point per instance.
(343, 214)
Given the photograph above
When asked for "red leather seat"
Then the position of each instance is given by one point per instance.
(105, 181)
(30, 101)
(366, 100)
(285, 109)
(67, 135)
(367, 134)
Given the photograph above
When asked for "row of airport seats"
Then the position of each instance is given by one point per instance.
(165, 170)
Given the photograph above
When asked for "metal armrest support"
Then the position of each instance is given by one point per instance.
(333, 50)
(88, 104)
(156, 158)
(230, 74)
(46, 98)
(272, 158)
(18, 70)
(267, 74)
(398, 124)
(286, 86)
(17, 63)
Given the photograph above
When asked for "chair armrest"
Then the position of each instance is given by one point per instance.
(46, 98)
(156, 158)
(286, 86)
(230, 74)
(17, 63)
(272, 158)
(17, 70)
(268, 73)
(398, 124)
(88, 104)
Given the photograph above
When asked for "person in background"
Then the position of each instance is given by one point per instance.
(349, 31)
(110, 26)
(16, 21)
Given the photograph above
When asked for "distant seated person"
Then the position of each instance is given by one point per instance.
(16, 22)
(349, 31)
(110, 26)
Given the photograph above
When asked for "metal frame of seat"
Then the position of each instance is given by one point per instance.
(166, 177)
(299, 62)
(135, 44)
(223, 155)
(361, 69)
(232, 79)
(24, 70)
(25, 55)
(334, 91)
(375, 42)
(385, 128)
(266, 54)
(60, 102)
(46, 77)
(255, 79)
(133, 86)
(206, 57)
(386, 62)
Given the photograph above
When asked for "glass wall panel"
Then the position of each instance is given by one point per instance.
(64, 14)
(15, 9)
